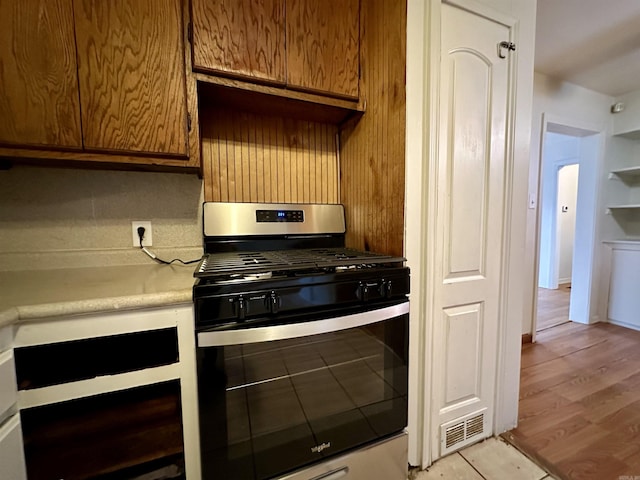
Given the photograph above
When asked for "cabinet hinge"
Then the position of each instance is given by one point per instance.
(190, 32)
(188, 122)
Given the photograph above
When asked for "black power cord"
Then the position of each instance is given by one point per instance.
(141, 231)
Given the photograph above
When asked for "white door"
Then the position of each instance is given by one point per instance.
(472, 162)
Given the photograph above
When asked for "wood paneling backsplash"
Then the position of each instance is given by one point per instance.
(250, 157)
(373, 147)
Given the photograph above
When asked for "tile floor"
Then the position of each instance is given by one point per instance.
(492, 459)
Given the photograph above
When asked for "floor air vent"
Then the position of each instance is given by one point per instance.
(461, 432)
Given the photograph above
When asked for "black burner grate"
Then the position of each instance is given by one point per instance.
(246, 263)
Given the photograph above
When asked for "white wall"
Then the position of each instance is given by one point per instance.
(588, 281)
(566, 210)
(629, 119)
(567, 104)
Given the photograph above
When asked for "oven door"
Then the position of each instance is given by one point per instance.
(274, 399)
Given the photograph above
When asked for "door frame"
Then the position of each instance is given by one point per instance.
(570, 125)
(554, 246)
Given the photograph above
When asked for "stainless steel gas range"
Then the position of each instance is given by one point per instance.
(302, 348)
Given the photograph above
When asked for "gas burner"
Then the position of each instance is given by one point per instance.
(248, 264)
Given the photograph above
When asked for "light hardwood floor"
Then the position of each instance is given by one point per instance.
(579, 411)
(553, 306)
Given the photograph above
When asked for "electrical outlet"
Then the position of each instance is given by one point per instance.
(147, 240)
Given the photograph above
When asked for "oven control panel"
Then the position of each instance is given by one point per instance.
(270, 216)
(296, 296)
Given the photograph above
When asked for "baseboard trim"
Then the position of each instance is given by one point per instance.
(527, 338)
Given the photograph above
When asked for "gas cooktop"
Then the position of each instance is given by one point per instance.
(226, 264)
(272, 263)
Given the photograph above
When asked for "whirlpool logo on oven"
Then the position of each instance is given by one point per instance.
(321, 447)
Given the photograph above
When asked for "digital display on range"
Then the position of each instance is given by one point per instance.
(268, 216)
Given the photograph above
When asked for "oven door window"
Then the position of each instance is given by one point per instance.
(271, 407)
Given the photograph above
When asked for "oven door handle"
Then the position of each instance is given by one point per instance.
(333, 475)
(296, 330)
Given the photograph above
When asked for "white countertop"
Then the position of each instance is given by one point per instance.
(28, 295)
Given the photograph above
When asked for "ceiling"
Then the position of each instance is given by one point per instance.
(592, 43)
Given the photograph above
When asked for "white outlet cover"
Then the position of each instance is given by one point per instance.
(147, 241)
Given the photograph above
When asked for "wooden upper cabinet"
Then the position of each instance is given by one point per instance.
(323, 45)
(132, 75)
(242, 38)
(39, 103)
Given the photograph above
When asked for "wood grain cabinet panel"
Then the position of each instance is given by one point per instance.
(240, 37)
(323, 45)
(39, 103)
(132, 75)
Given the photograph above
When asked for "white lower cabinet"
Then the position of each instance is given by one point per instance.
(624, 301)
(12, 465)
(111, 393)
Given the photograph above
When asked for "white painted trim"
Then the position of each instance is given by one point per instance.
(536, 244)
(429, 220)
(623, 244)
(415, 177)
(594, 128)
(504, 411)
(523, 33)
(12, 463)
(54, 330)
(580, 124)
(624, 324)
(546, 119)
(6, 337)
(9, 426)
(484, 11)
(189, 395)
(94, 386)
(8, 389)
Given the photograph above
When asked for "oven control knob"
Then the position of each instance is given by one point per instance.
(273, 302)
(385, 289)
(363, 291)
(242, 308)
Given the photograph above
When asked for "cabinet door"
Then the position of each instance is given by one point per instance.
(132, 75)
(240, 37)
(624, 302)
(38, 74)
(323, 45)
